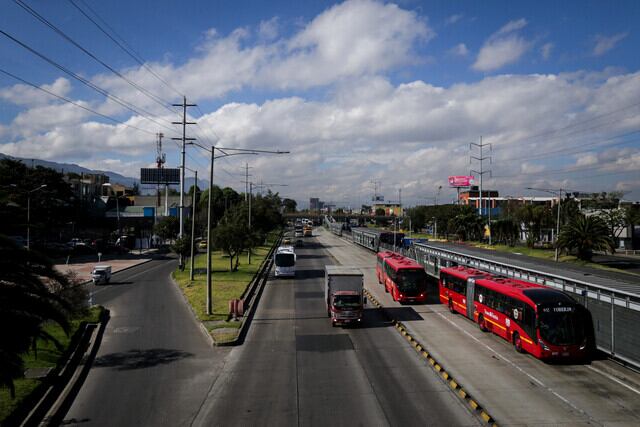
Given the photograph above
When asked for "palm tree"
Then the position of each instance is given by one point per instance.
(27, 303)
(585, 234)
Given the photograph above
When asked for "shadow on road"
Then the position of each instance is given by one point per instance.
(402, 314)
(309, 274)
(140, 359)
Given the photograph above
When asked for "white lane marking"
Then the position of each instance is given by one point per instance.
(559, 396)
(128, 277)
(614, 379)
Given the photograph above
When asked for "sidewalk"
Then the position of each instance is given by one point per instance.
(84, 266)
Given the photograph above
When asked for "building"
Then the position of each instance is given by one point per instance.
(315, 204)
(390, 208)
(86, 185)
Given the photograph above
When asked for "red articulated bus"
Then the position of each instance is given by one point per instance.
(402, 276)
(539, 320)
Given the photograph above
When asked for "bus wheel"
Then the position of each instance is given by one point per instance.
(517, 343)
(451, 307)
(482, 324)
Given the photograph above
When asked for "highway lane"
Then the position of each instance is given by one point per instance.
(295, 369)
(516, 389)
(155, 365)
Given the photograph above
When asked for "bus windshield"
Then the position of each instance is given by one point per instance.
(346, 301)
(411, 281)
(285, 260)
(560, 325)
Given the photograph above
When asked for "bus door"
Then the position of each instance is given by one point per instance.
(471, 284)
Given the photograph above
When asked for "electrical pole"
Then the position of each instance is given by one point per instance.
(209, 225)
(250, 197)
(184, 140)
(559, 193)
(481, 172)
(193, 223)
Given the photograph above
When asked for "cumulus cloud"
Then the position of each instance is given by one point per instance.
(25, 95)
(603, 44)
(364, 125)
(503, 47)
(459, 50)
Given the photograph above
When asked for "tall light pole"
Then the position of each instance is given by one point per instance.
(29, 192)
(193, 222)
(224, 151)
(557, 192)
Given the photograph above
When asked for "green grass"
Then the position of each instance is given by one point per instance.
(47, 357)
(548, 254)
(226, 285)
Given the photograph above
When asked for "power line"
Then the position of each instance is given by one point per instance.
(72, 102)
(104, 92)
(124, 45)
(42, 19)
(552, 131)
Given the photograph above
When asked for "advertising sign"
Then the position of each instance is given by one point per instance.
(159, 176)
(461, 181)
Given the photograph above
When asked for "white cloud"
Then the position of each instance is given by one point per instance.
(453, 19)
(545, 50)
(603, 44)
(25, 95)
(503, 47)
(459, 50)
(268, 30)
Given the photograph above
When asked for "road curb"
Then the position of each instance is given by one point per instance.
(436, 366)
(56, 401)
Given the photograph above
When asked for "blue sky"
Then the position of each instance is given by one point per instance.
(338, 84)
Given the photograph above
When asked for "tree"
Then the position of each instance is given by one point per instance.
(584, 235)
(232, 235)
(467, 224)
(181, 246)
(167, 227)
(289, 205)
(616, 220)
(534, 218)
(26, 304)
(506, 230)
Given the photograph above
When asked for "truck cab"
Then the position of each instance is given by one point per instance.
(101, 274)
(344, 294)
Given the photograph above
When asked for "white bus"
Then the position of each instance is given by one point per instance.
(285, 261)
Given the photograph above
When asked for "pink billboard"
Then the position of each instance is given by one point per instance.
(461, 180)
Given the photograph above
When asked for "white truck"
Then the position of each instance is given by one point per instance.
(344, 294)
(101, 274)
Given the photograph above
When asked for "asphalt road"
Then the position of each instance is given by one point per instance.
(515, 388)
(155, 365)
(296, 369)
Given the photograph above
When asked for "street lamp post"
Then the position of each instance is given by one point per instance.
(236, 152)
(29, 212)
(557, 192)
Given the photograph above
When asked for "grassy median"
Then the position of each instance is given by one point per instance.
(48, 356)
(226, 285)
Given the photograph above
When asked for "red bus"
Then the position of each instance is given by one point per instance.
(542, 321)
(402, 276)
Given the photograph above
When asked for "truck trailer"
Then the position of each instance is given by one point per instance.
(344, 294)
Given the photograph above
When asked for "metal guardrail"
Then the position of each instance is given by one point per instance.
(615, 313)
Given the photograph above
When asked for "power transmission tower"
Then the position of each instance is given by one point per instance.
(375, 189)
(184, 140)
(481, 158)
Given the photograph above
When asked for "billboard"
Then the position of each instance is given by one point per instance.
(159, 176)
(461, 181)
